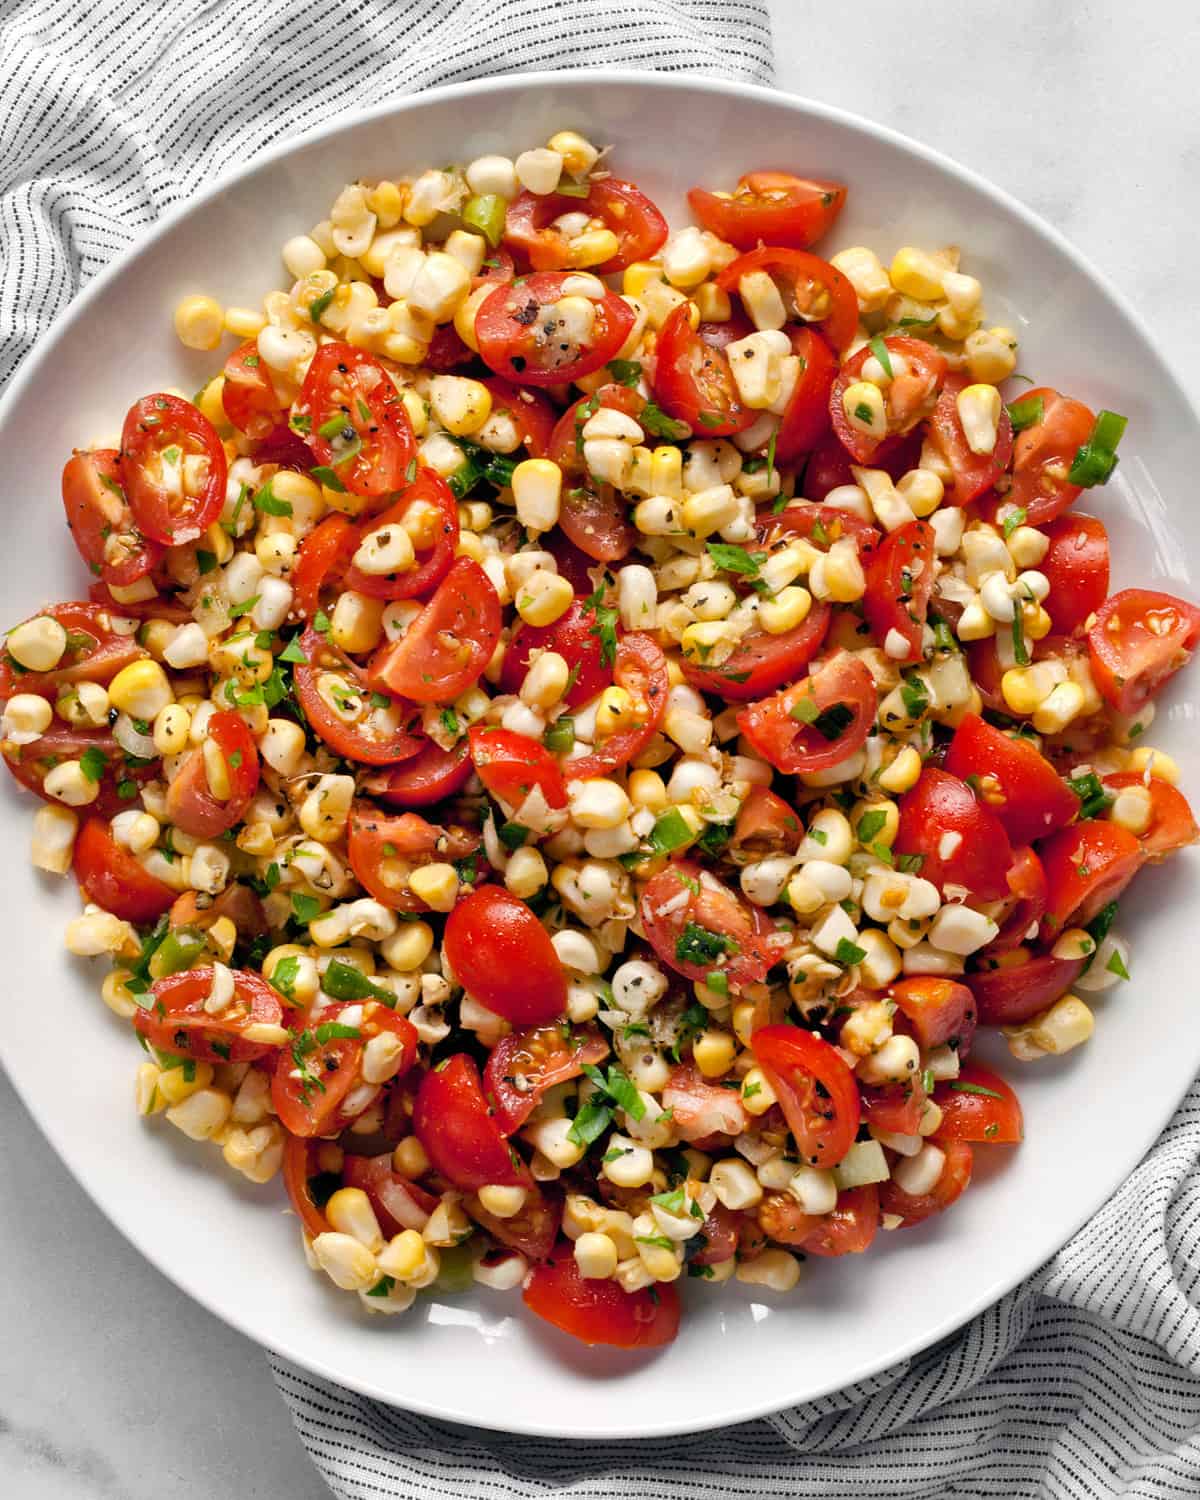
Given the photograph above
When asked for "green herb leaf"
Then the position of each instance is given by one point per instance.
(655, 421)
(325, 475)
(670, 832)
(334, 1031)
(318, 305)
(206, 561)
(848, 952)
(1116, 965)
(625, 371)
(93, 763)
(870, 824)
(559, 737)
(269, 502)
(1093, 799)
(880, 350)
(696, 945)
(960, 1087)
(605, 628)
(304, 908)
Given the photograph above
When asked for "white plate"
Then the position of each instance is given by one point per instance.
(478, 1359)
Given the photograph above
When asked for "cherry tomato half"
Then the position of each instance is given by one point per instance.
(816, 723)
(908, 398)
(384, 850)
(973, 473)
(347, 714)
(1086, 866)
(1044, 452)
(761, 661)
(530, 410)
(1140, 639)
(523, 337)
(1013, 992)
(1027, 883)
(848, 1230)
(161, 433)
(775, 208)
(248, 395)
(936, 1011)
(315, 1075)
(641, 669)
(813, 291)
(1076, 566)
(1025, 792)
(100, 520)
(941, 805)
(815, 1089)
(191, 803)
(698, 927)
(358, 428)
(899, 584)
(600, 1312)
(530, 232)
(693, 381)
(111, 877)
(956, 1175)
(177, 1022)
(575, 636)
(432, 563)
(532, 1230)
(978, 1106)
(398, 1203)
(429, 776)
(96, 749)
(524, 1064)
(452, 1121)
(765, 828)
(1172, 825)
(300, 1171)
(95, 652)
(502, 955)
(805, 420)
(701, 1108)
(512, 765)
(322, 560)
(445, 649)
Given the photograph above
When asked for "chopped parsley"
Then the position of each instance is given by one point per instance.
(605, 627)
(696, 945)
(625, 371)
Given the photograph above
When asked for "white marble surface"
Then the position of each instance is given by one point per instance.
(112, 1384)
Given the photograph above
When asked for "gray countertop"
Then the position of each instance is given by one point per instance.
(112, 1383)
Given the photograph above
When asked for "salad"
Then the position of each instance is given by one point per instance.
(571, 730)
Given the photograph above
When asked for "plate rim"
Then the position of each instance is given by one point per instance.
(513, 82)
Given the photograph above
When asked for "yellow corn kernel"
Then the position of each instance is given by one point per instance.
(641, 275)
(349, 1211)
(877, 833)
(979, 407)
(386, 201)
(786, 610)
(543, 597)
(404, 1256)
(212, 406)
(863, 408)
(1066, 1025)
(578, 154)
(917, 274)
(141, 690)
(1063, 704)
(712, 303)
(757, 1094)
(148, 1098)
(713, 1052)
(1025, 689)
(666, 471)
(199, 322)
(244, 322)
(175, 1087)
(903, 772)
(865, 273)
(1157, 762)
(615, 711)
(436, 885)
(537, 493)
(462, 406)
(647, 789)
(592, 248)
(356, 624)
(991, 354)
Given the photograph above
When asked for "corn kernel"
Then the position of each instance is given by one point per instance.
(199, 322)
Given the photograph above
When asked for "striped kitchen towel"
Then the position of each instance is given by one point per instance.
(1083, 1383)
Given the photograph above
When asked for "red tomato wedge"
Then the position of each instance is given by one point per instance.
(95, 652)
(1086, 867)
(525, 339)
(450, 642)
(111, 877)
(575, 636)
(956, 1175)
(1076, 565)
(908, 399)
(897, 1108)
(530, 231)
(693, 381)
(936, 1011)
(816, 723)
(1172, 825)
(429, 776)
(939, 806)
(532, 1230)
(600, 1312)
(700, 1108)
(248, 395)
(1029, 797)
(766, 826)
(1014, 992)
(191, 802)
(813, 291)
(593, 517)
(502, 955)
(432, 563)
(31, 763)
(974, 473)
(978, 1106)
(805, 420)
(530, 410)
(698, 927)
(300, 1171)
(1044, 452)
(1138, 640)
(100, 520)
(384, 850)
(815, 1088)
(512, 765)
(524, 1064)
(822, 525)
(315, 1075)
(1027, 883)
(641, 669)
(566, 440)
(177, 1022)
(848, 1230)
(761, 661)
(322, 559)
(446, 350)
(161, 434)
(452, 1121)
(398, 1203)
(341, 708)
(358, 429)
(772, 207)
(899, 584)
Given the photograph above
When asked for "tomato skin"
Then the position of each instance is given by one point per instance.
(897, 1108)
(1172, 825)
(717, 909)
(452, 1121)
(156, 422)
(848, 1230)
(821, 525)
(1076, 566)
(509, 336)
(899, 585)
(299, 1166)
(343, 380)
(99, 661)
(250, 399)
(177, 1022)
(806, 419)
(566, 439)
(1140, 638)
(1027, 882)
(722, 1231)
(446, 350)
(398, 1203)
(693, 381)
(815, 1088)
(96, 507)
(956, 1175)
(430, 488)
(1086, 866)
(939, 804)
(1035, 799)
(501, 954)
(798, 748)
(639, 226)
(702, 1110)
(191, 805)
(936, 1011)
(324, 552)
(761, 662)
(429, 776)
(974, 473)
(530, 410)
(30, 763)
(421, 665)
(909, 398)
(538, 1058)
(1007, 996)
(575, 637)
(112, 878)
(158, 608)
(511, 765)
(968, 1116)
(774, 207)
(641, 669)
(809, 285)
(306, 1110)
(382, 849)
(358, 742)
(600, 1312)
(1042, 456)
(533, 1231)
(765, 826)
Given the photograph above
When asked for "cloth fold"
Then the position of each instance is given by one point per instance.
(1082, 1383)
